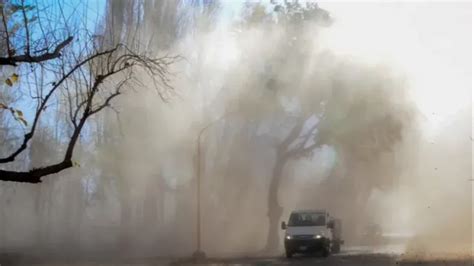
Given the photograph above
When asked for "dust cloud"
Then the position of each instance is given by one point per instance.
(430, 203)
(247, 80)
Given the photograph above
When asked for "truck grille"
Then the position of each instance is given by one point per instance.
(303, 236)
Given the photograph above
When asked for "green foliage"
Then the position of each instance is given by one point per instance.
(255, 14)
(295, 13)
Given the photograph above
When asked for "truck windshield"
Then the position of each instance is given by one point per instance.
(307, 219)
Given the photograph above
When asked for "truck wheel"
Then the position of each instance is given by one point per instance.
(289, 254)
(326, 252)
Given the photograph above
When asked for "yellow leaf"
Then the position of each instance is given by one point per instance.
(19, 113)
(23, 121)
(2, 106)
(14, 78)
(9, 82)
(75, 164)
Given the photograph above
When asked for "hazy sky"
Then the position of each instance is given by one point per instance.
(430, 42)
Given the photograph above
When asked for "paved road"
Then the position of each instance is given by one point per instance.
(385, 255)
(340, 260)
(302, 260)
(359, 256)
(343, 259)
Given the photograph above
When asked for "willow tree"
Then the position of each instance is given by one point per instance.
(154, 25)
(359, 111)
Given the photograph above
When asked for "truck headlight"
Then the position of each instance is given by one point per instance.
(318, 236)
(288, 237)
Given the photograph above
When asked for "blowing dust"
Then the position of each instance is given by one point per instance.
(383, 158)
(392, 138)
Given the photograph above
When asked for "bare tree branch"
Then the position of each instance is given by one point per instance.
(105, 66)
(34, 175)
(13, 60)
(290, 138)
(27, 30)
(27, 137)
(4, 21)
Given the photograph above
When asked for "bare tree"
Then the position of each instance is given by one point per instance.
(88, 74)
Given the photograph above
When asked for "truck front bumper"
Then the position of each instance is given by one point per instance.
(306, 245)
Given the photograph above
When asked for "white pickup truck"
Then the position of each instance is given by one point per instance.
(312, 231)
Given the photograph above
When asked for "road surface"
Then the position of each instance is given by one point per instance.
(359, 256)
(352, 260)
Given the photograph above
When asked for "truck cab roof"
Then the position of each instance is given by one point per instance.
(309, 211)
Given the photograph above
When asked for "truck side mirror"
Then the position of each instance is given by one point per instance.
(283, 225)
(331, 225)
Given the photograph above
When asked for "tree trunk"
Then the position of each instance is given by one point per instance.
(150, 213)
(125, 216)
(274, 209)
